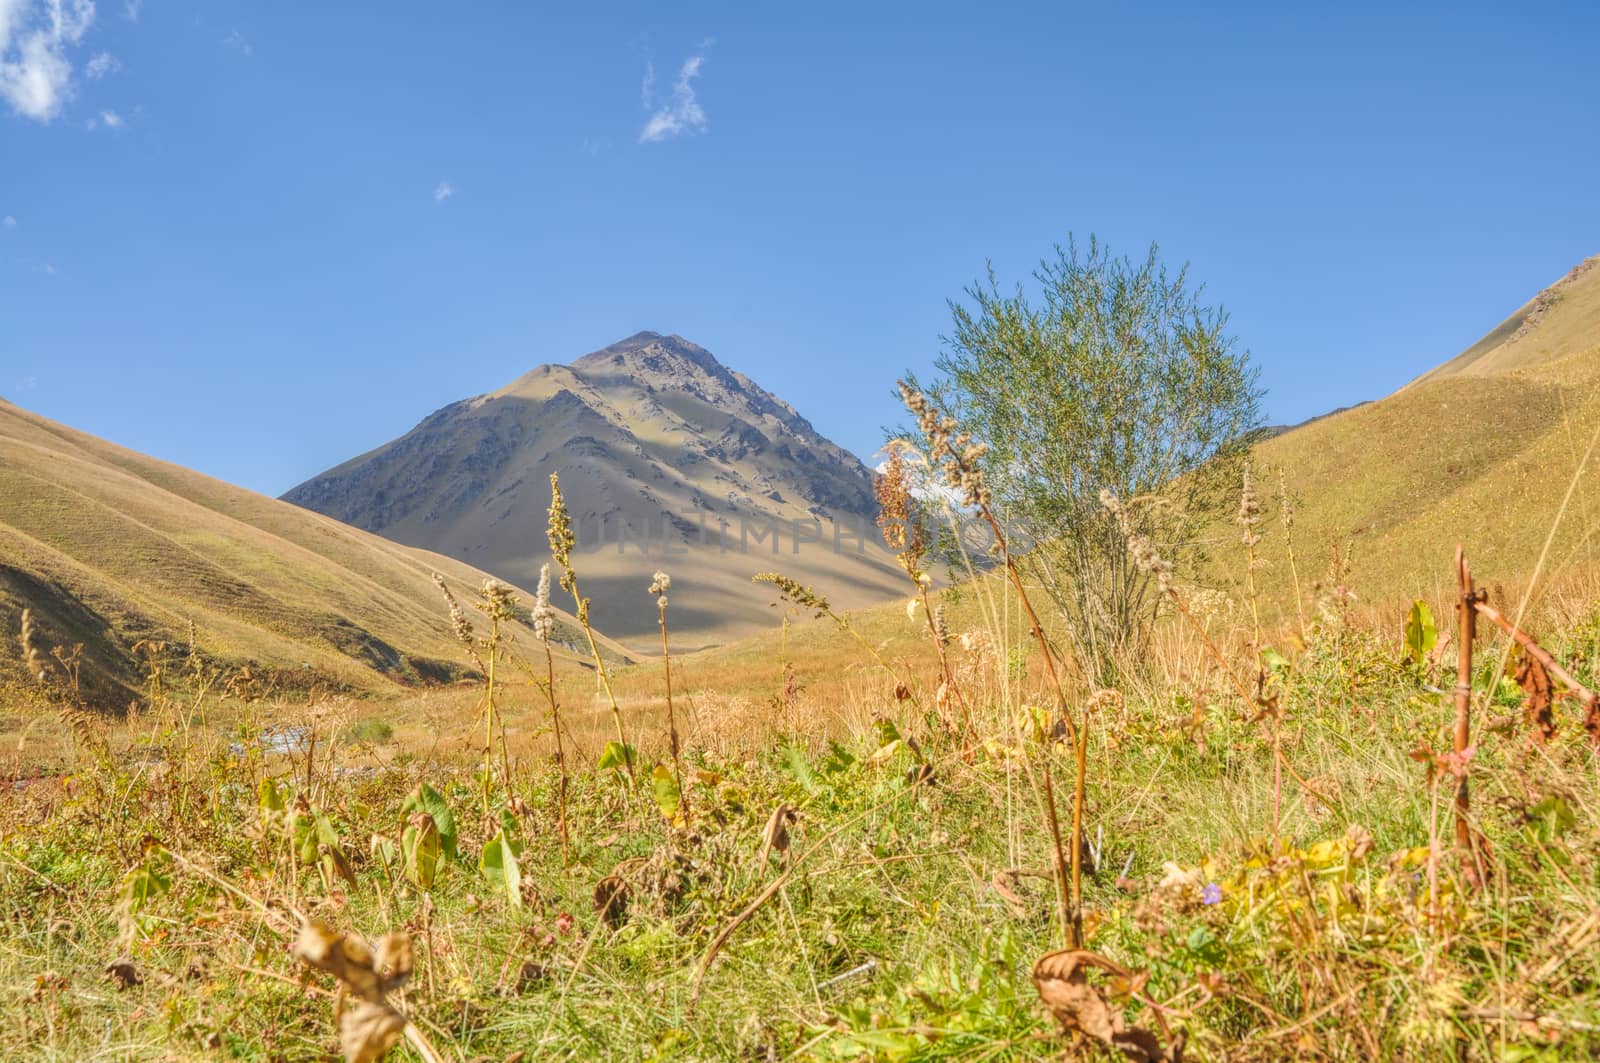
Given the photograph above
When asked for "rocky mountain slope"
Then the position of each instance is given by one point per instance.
(107, 547)
(668, 460)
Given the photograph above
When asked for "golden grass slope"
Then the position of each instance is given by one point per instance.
(108, 546)
(1480, 451)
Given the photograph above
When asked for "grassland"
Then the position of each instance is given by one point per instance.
(900, 909)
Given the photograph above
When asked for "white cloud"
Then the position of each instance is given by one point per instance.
(102, 64)
(9, 222)
(35, 73)
(132, 9)
(46, 268)
(236, 41)
(443, 191)
(28, 383)
(680, 113)
(112, 119)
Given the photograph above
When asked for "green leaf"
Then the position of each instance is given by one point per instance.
(269, 798)
(499, 865)
(1275, 662)
(423, 849)
(664, 786)
(1421, 633)
(838, 760)
(428, 800)
(1551, 818)
(794, 760)
(140, 886)
(615, 756)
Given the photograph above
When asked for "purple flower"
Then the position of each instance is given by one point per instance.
(1212, 894)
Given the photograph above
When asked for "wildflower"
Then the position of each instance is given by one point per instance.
(1211, 895)
(564, 923)
(544, 618)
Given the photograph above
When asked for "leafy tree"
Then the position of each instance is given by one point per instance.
(1115, 376)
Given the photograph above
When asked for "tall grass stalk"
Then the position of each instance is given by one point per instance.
(659, 585)
(544, 623)
(958, 457)
(562, 540)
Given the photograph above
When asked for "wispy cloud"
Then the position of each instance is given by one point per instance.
(35, 72)
(46, 268)
(443, 191)
(112, 119)
(132, 8)
(28, 383)
(9, 222)
(680, 112)
(234, 40)
(102, 64)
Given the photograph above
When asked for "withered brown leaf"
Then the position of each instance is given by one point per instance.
(1083, 1009)
(775, 836)
(1538, 710)
(611, 900)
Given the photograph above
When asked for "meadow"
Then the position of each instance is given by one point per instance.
(855, 838)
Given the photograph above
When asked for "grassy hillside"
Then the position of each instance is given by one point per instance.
(108, 547)
(1481, 450)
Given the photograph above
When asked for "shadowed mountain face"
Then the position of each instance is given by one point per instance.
(668, 460)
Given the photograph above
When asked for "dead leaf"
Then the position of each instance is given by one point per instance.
(611, 901)
(368, 1025)
(1082, 1009)
(1005, 883)
(1538, 709)
(123, 973)
(368, 1029)
(775, 838)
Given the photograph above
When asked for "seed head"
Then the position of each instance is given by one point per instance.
(497, 601)
(1140, 548)
(957, 456)
(38, 665)
(458, 621)
(660, 583)
(559, 530)
(793, 591)
(1249, 510)
(544, 618)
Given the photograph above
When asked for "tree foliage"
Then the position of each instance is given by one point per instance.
(1115, 375)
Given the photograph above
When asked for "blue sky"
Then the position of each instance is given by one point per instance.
(260, 238)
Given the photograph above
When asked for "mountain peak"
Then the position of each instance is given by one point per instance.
(653, 439)
(654, 352)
